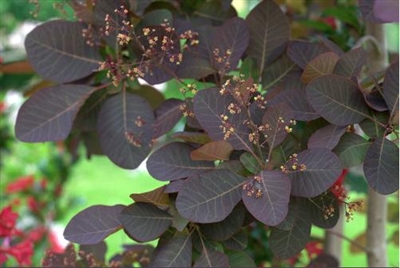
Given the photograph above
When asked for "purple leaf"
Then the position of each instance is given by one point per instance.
(322, 64)
(144, 221)
(211, 197)
(125, 126)
(176, 252)
(376, 126)
(277, 71)
(381, 166)
(321, 170)
(240, 259)
(167, 115)
(326, 137)
(302, 52)
(210, 107)
(211, 258)
(337, 100)
(238, 241)
(173, 162)
(269, 33)
(391, 88)
(214, 150)
(270, 200)
(58, 52)
(380, 11)
(94, 224)
(351, 63)
(48, 115)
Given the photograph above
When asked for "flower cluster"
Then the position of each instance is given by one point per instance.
(293, 165)
(253, 188)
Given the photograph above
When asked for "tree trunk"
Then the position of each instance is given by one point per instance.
(377, 60)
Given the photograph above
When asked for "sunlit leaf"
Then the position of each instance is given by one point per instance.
(156, 197)
(48, 114)
(175, 252)
(381, 166)
(322, 168)
(326, 137)
(192, 137)
(125, 128)
(144, 221)
(269, 33)
(337, 100)
(215, 150)
(58, 52)
(351, 149)
(271, 206)
(173, 162)
(321, 65)
(211, 197)
(94, 224)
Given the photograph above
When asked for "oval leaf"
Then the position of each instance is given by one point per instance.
(125, 127)
(173, 162)
(270, 205)
(58, 52)
(326, 137)
(210, 106)
(351, 63)
(321, 65)
(167, 115)
(156, 197)
(322, 168)
(176, 252)
(93, 225)
(144, 222)
(351, 149)
(212, 258)
(48, 115)
(211, 197)
(381, 166)
(269, 33)
(215, 150)
(337, 100)
(391, 87)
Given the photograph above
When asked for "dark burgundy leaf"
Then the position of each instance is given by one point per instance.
(322, 64)
(48, 115)
(322, 168)
(269, 33)
(287, 243)
(144, 222)
(211, 197)
(391, 88)
(351, 63)
(297, 101)
(324, 260)
(174, 186)
(317, 208)
(326, 137)
(175, 252)
(194, 66)
(58, 52)
(271, 205)
(376, 128)
(331, 45)
(211, 258)
(173, 162)
(238, 241)
(374, 99)
(240, 259)
(337, 100)
(225, 229)
(351, 149)
(178, 222)
(210, 107)
(381, 166)
(167, 115)
(379, 11)
(125, 126)
(277, 71)
(214, 150)
(94, 224)
(277, 118)
(302, 52)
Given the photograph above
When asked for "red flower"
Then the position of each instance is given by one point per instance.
(22, 252)
(21, 184)
(314, 249)
(7, 222)
(55, 245)
(37, 234)
(33, 204)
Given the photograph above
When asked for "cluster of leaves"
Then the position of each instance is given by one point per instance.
(264, 143)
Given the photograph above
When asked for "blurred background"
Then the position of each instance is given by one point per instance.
(44, 185)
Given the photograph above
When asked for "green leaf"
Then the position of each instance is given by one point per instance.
(351, 149)
(376, 128)
(211, 197)
(269, 33)
(58, 52)
(266, 196)
(322, 168)
(238, 241)
(173, 162)
(251, 163)
(381, 166)
(144, 222)
(337, 100)
(49, 114)
(240, 259)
